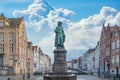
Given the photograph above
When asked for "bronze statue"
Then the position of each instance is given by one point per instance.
(60, 36)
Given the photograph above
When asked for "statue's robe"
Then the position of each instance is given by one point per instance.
(60, 37)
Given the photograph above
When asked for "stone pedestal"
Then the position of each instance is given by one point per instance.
(59, 67)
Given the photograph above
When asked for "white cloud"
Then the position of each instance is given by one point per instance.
(80, 35)
(85, 33)
(41, 12)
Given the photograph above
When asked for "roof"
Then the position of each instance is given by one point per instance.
(12, 21)
(108, 30)
(2, 16)
(15, 21)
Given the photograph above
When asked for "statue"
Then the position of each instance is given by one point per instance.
(60, 36)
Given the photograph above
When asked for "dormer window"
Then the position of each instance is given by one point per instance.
(2, 24)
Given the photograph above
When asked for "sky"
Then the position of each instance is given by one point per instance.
(82, 21)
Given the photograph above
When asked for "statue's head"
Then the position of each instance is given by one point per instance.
(59, 23)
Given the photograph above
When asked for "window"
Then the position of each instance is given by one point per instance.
(2, 24)
(115, 34)
(1, 37)
(113, 45)
(11, 36)
(1, 48)
(113, 60)
(117, 59)
(11, 48)
(1, 60)
(117, 43)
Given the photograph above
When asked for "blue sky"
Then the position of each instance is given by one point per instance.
(82, 21)
(84, 8)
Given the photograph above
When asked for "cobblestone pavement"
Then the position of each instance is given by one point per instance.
(79, 77)
(89, 77)
(14, 77)
(20, 77)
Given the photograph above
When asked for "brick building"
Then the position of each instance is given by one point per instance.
(13, 46)
(109, 49)
(115, 50)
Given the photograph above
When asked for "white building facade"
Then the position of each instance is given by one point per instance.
(69, 64)
(36, 58)
(45, 63)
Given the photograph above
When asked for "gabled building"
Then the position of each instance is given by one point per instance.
(115, 51)
(109, 49)
(13, 45)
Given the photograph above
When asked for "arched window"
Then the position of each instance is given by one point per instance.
(11, 35)
(1, 37)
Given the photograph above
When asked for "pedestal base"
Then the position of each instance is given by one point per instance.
(59, 67)
(60, 77)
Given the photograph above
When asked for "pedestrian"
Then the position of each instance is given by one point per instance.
(8, 79)
(23, 77)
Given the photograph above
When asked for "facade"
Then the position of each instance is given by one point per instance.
(45, 62)
(90, 60)
(105, 48)
(36, 58)
(86, 61)
(13, 45)
(75, 63)
(30, 58)
(69, 64)
(109, 49)
(94, 59)
(115, 51)
(97, 56)
(80, 62)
